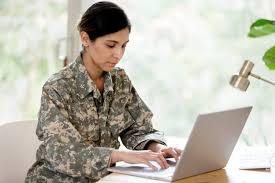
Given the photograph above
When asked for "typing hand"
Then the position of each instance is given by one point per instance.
(167, 152)
(144, 157)
(170, 152)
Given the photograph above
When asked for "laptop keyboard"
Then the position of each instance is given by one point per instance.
(167, 172)
(161, 172)
(142, 170)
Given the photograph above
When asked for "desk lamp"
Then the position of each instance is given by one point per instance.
(241, 81)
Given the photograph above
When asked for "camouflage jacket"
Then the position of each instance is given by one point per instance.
(80, 127)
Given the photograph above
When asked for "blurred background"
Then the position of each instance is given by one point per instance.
(180, 58)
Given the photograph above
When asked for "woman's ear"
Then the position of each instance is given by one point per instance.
(84, 37)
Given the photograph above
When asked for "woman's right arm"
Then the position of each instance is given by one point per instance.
(63, 147)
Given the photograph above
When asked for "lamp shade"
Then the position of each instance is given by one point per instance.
(239, 82)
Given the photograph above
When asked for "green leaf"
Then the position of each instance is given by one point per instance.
(262, 27)
(269, 58)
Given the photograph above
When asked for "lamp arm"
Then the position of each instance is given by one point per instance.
(260, 78)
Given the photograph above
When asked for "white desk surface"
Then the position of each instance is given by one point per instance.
(230, 174)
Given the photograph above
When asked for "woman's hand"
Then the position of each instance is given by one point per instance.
(156, 152)
(144, 157)
(171, 152)
(167, 152)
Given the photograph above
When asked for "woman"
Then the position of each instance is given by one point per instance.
(86, 106)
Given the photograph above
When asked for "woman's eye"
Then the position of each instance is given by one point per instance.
(111, 46)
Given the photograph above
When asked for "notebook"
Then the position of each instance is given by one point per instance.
(208, 148)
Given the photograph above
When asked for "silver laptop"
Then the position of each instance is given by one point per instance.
(208, 148)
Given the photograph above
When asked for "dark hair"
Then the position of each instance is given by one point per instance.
(103, 18)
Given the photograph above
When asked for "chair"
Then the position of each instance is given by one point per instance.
(18, 145)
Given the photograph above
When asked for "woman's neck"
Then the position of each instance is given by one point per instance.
(94, 71)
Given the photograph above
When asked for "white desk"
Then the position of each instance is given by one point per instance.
(219, 176)
(230, 174)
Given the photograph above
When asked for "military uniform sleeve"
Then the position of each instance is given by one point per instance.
(62, 145)
(141, 132)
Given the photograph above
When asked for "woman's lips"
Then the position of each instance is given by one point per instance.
(112, 64)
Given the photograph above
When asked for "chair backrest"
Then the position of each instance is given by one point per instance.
(18, 145)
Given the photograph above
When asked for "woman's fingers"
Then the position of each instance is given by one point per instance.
(146, 157)
(173, 153)
(170, 152)
(148, 163)
(160, 160)
(164, 161)
(178, 151)
(157, 157)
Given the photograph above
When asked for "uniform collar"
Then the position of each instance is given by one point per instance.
(85, 85)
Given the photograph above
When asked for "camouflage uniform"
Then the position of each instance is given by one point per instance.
(80, 127)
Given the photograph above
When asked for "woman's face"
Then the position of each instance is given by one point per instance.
(106, 51)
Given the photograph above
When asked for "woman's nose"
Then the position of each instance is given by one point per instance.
(118, 53)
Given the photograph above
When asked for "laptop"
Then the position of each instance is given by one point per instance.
(208, 148)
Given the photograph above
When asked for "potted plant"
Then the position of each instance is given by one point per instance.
(264, 27)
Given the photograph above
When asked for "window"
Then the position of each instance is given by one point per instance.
(180, 58)
(29, 33)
